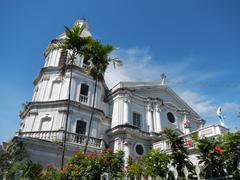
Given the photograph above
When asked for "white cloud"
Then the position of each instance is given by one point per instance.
(207, 108)
(138, 65)
(231, 107)
(200, 103)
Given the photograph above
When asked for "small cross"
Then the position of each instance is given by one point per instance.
(162, 78)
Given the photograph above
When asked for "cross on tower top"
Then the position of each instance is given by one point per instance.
(163, 78)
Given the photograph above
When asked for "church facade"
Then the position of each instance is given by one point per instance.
(130, 117)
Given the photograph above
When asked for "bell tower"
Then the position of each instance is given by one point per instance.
(44, 117)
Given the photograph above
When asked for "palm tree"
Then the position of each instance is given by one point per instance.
(98, 56)
(74, 44)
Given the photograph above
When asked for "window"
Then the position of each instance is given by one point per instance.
(84, 89)
(63, 57)
(171, 117)
(84, 93)
(81, 127)
(139, 149)
(86, 62)
(137, 119)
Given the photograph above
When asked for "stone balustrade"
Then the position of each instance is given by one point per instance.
(58, 136)
(85, 66)
(83, 99)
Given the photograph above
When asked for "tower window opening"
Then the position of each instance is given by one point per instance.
(80, 130)
(81, 127)
(86, 63)
(84, 93)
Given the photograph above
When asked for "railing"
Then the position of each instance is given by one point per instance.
(45, 135)
(166, 144)
(83, 99)
(58, 136)
(81, 139)
(85, 66)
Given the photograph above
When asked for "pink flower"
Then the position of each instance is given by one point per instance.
(218, 149)
(72, 166)
(190, 143)
(65, 169)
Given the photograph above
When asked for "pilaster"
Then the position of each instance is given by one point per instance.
(126, 101)
(150, 116)
(158, 117)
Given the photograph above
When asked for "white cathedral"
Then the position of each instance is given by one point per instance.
(130, 117)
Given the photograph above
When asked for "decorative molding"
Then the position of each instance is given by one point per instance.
(59, 104)
(158, 107)
(45, 78)
(127, 98)
(32, 113)
(150, 106)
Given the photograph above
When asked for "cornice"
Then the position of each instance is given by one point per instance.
(50, 69)
(77, 69)
(58, 104)
(134, 131)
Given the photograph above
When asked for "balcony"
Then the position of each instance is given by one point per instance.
(58, 136)
(83, 99)
(85, 66)
(189, 142)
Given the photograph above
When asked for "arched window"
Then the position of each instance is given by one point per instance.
(81, 127)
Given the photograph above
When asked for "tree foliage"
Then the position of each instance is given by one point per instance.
(88, 166)
(14, 163)
(211, 158)
(74, 44)
(231, 153)
(98, 55)
(154, 164)
(179, 153)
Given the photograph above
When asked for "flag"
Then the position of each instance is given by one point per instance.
(220, 116)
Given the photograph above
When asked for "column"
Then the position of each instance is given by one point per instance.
(73, 88)
(126, 101)
(149, 116)
(126, 153)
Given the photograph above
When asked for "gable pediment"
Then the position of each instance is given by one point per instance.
(154, 90)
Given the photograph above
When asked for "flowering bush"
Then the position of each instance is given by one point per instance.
(88, 166)
(153, 164)
(210, 156)
(218, 149)
(135, 168)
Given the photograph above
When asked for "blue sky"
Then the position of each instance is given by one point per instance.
(195, 43)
